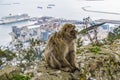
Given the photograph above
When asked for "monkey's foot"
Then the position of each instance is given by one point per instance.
(76, 69)
(66, 69)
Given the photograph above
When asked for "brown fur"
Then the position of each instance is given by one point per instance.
(60, 51)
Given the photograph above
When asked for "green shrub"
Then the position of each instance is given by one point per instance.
(78, 51)
(95, 49)
(0, 62)
(114, 35)
(20, 77)
(7, 53)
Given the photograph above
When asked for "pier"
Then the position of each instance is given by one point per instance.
(87, 10)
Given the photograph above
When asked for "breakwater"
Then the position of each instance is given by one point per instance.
(95, 11)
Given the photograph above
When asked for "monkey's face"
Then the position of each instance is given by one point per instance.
(70, 31)
(73, 33)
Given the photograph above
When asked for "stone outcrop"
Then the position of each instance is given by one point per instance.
(101, 65)
(8, 72)
(105, 65)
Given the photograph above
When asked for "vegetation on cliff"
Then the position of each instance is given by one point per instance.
(96, 62)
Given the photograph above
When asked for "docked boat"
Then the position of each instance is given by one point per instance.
(16, 3)
(39, 7)
(48, 7)
(51, 4)
(14, 18)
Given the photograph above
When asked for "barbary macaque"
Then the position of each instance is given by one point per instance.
(60, 51)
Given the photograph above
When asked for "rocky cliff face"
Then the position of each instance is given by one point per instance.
(8, 72)
(101, 63)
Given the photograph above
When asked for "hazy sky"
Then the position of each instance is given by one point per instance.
(68, 9)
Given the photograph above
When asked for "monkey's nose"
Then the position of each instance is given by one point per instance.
(76, 32)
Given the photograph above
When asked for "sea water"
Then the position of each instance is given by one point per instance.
(68, 9)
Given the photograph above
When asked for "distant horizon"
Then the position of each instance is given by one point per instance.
(67, 9)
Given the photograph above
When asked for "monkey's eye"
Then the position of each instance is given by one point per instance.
(73, 27)
(72, 31)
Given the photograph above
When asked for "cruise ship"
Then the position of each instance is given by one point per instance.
(14, 18)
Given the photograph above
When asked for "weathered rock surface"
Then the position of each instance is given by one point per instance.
(8, 72)
(105, 65)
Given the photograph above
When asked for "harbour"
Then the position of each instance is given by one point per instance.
(72, 11)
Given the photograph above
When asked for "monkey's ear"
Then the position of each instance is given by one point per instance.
(65, 29)
(53, 43)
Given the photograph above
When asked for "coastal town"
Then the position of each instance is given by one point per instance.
(45, 26)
